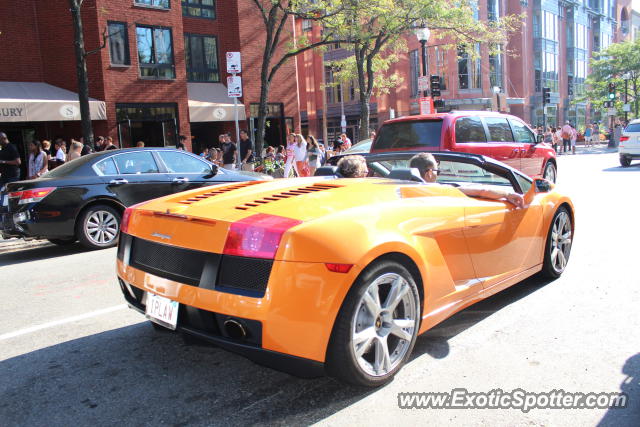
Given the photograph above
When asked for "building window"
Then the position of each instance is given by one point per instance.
(155, 52)
(201, 57)
(414, 72)
(164, 4)
(441, 67)
(496, 68)
(307, 24)
(118, 43)
(199, 8)
(469, 71)
(493, 10)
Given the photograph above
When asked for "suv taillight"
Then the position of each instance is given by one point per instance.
(31, 196)
(624, 138)
(257, 236)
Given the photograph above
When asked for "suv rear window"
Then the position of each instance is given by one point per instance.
(633, 127)
(470, 129)
(409, 134)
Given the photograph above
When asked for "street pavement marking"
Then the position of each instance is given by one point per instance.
(61, 322)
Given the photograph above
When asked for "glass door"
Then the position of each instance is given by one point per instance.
(124, 133)
(170, 132)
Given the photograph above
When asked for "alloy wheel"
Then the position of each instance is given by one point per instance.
(101, 227)
(383, 324)
(560, 241)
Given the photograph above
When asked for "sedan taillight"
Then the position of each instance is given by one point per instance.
(31, 196)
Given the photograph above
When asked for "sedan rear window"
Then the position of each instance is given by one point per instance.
(633, 127)
(409, 135)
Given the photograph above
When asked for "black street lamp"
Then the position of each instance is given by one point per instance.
(423, 36)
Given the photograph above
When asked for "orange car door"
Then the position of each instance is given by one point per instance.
(503, 240)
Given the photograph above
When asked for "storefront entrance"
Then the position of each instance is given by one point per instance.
(154, 124)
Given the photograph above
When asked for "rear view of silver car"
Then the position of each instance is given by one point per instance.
(629, 148)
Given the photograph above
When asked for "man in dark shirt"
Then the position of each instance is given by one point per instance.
(99, 145)
(9, 161)
(228, 153)
(180, 144)
(246, 151)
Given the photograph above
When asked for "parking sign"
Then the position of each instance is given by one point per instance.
(234, 65)
(234, 86)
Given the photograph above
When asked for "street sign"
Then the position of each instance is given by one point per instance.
(626, 107)
(234, 65)
(423, 83)
(426, 105)
(234, 86)
(611, 112)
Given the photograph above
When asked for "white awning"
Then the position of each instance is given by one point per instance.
(42, 102)
(208, 102)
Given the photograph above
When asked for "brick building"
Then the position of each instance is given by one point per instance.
(161, 73)
(553, 48)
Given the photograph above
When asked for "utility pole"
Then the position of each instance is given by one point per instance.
(81, 69)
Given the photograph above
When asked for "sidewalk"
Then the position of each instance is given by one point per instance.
(601, 148)
(13, 244)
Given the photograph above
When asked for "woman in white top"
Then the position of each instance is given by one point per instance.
(289, 159)
(315, 155)
(300, 153)
(37, 160)
(76, 150)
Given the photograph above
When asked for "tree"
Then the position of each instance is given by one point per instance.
(375, 28)
(609, 66)
(275, 15)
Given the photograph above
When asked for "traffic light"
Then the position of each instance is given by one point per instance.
(612, 91)
(438, 104)
(546, 95)
(434, 80)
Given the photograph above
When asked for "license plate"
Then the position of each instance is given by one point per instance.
(162, 310)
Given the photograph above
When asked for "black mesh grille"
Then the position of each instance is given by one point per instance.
(250, 274)
(179, 264)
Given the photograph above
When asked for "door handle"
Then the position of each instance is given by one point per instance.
(118, 181)
(180, 180)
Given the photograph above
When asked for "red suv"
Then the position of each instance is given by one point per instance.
(501, 136)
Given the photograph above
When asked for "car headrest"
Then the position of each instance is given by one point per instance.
(406, 174)
(327, 171)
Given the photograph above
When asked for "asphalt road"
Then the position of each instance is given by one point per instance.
(71, 353)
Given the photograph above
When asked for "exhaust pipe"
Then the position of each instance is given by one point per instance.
(235, 329)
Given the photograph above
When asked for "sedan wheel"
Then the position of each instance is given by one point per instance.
(558, 245)
(99, 227)
(377, 326)
(550, 172)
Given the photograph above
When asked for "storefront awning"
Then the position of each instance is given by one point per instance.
(42, 102)
(208, 102)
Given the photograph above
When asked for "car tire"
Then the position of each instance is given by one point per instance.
(550, 172)
(63, 242)
(99, 227)
(370, 343)
(558, 246)
(625, 162)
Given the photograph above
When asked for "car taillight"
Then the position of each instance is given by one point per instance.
(32, 196)
(126, 217)
(257, 236)
(624, 138)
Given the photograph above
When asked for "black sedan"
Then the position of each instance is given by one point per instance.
(85, 198)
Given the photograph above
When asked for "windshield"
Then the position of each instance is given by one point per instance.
(633, 127)
(69, 168)
(410, 135)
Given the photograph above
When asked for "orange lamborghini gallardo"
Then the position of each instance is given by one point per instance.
(337, 275)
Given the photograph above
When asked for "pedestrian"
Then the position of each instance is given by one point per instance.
(574, 138)
(75, 151)
(289, 159)
(37, 165)
(205, 153)
(109, 145)
(300, 154)
(566, 133)
(180, 145)
(617, 133)
(246, 151)
(595, 133)
(99, 145)
(588, 132)
(280, 153)
(9, 161)
(140, 144)
(346, 142)
(314, 155)
(60, 147)
(229, 152)
(548, 136)
(323, 154)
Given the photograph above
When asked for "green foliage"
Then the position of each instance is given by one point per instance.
(610, 65)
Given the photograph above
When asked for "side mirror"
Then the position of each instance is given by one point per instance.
(541, 185)
(214, 170)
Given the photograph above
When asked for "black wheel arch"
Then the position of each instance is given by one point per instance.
(114, 203)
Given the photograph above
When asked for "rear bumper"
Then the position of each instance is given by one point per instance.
(31, 223)
(300, 367)
(630, 153)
